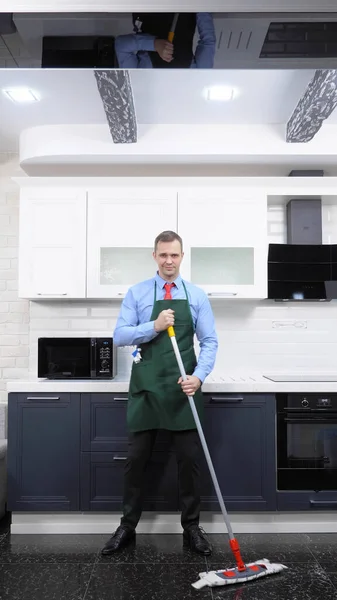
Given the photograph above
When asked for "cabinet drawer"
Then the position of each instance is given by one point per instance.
(307, 500)
(44, 397)
(104, 427)
(102, 481)
(103, 422)
(225, 398)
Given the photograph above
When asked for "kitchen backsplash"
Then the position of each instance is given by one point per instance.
(253, 336)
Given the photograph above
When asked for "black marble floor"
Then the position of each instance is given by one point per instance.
(155, 567)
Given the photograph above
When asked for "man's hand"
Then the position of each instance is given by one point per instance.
(164, 320)
(191, 385)
(164, 49)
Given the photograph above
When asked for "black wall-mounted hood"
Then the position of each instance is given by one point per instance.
(301, 273)
(304, 269)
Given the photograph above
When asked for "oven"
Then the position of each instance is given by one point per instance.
(306, 441)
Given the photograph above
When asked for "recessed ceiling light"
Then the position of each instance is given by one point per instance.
(21, 95)
(222, 93)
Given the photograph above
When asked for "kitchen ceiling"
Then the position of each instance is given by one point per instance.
(170, 97)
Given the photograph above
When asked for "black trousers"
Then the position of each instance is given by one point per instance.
(187, 449)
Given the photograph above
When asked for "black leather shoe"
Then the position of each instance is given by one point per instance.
(195, 538)
(119, 539)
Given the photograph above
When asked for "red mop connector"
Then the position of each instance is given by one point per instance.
(234, 544)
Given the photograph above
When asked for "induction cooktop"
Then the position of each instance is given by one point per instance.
(301, 377)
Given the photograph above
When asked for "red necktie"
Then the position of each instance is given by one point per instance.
(168, 287)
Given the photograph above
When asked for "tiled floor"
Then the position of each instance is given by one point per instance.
(70, 567)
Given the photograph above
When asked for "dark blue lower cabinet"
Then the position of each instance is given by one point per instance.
(102, 478)
(240, 431)
(67, 452)
(43, 452)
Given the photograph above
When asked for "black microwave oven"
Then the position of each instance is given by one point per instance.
(76, 358)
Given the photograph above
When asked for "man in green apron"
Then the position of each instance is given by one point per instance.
(157, 397)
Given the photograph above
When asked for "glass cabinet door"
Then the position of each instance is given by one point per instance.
(229, 266)
(119, 266)
(225, 236)
(122, 226)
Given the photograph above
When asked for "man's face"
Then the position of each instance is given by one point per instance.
(168, 257)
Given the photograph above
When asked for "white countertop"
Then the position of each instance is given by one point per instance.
(226, 383)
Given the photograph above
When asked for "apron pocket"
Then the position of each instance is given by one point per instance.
(141, 378)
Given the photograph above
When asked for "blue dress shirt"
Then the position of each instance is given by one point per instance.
(132, 49)
(134, 326)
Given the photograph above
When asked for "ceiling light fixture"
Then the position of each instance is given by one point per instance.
(21, 95)
(221, 93)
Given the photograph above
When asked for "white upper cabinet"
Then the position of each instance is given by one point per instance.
(94, 238)
(52, 242)
(122, 226)
(224, 231)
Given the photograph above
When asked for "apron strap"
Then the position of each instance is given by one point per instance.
(188, 303)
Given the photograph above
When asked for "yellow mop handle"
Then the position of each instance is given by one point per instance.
(171, 33)
(171, 331)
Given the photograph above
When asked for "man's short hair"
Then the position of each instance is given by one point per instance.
(168, 236)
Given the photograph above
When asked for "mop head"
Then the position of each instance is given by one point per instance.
(254, 570)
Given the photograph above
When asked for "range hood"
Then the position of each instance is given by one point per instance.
(301, 273)
(286, 41)
(304, 269)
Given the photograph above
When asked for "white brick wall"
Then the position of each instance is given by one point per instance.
(14, 312)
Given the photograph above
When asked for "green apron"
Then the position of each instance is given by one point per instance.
(156, 400)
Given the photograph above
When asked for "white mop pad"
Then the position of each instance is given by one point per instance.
(254, 570)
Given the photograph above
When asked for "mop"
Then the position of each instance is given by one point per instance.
(171, 33)
(241, 572)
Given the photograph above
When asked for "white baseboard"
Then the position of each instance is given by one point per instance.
(105, 523)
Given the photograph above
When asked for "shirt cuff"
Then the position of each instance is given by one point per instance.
(148, 44)
(200, 374)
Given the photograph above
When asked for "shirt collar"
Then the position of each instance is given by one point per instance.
(161, 282)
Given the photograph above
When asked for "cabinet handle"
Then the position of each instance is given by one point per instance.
(323, 502)
(117, 399)
(222, 294)
(51, 294)
(43, 397)
(120, 457)
(307, 421)
(226, 399)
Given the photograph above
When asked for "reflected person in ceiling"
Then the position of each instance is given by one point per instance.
(157, 398)
(148, 47)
